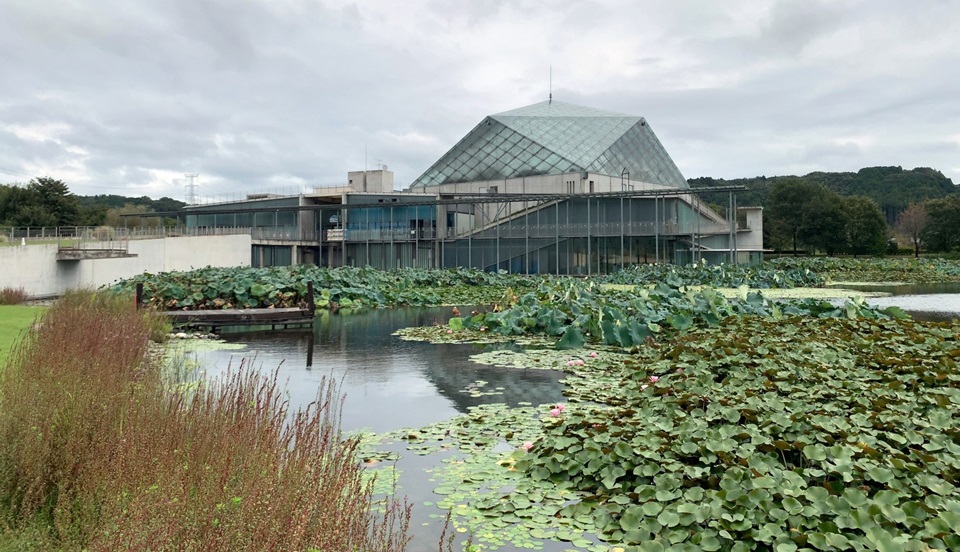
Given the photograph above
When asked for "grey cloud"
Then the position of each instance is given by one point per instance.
(299, 89)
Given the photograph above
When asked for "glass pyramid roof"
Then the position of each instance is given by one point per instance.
(554, 138)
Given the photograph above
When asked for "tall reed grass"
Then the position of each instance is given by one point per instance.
(97, 454)
(13, 296)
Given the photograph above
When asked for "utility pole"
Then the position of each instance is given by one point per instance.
(191, 189)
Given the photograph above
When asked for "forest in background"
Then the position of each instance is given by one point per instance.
(48, 202)
(892, 188)
(873, 211)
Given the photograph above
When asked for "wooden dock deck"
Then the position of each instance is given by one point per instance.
(289, 317)
(284, 318)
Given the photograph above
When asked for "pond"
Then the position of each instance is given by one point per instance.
(922, 301)
(391, 384)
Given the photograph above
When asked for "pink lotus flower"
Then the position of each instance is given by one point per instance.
(644, 386)
(579, 362)
(555, 412)
(526, 446)
(561, 406)
(654, 379)
(570, 363)
(449, 331)
(593, 354)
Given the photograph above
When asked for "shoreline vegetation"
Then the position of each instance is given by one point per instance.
(697, 423)
(99, 452)
(697, 418)
(359, 288)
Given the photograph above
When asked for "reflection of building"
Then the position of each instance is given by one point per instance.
(548, 188)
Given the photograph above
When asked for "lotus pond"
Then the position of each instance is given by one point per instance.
(654, 418)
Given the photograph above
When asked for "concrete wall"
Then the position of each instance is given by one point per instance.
(753, 239)
(380, 180)
(35, 267)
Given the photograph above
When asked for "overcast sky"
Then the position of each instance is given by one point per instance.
(125, 97)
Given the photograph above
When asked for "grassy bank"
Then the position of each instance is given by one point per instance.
(97, 453)
(14, 320)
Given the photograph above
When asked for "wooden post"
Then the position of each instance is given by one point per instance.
(139, 295)
(310, 339)
(311, 306)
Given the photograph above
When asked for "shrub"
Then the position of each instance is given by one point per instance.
(96, 450)
(13, 296)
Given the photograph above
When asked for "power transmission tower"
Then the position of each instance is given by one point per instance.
(191, 189)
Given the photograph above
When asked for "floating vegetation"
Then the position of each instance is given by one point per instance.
(756, 434)
(444, 334)
(487, 442)
(479, 389)
(719, 275)
(202, 345)
(575, 313)
(698, 423)
(835, 291)
(335, 288)
(888, 269)
(549, 359)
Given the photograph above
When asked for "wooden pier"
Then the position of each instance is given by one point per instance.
(277, 318)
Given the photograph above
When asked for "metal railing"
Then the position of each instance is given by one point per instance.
(89, 236)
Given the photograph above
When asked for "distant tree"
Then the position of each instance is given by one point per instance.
(785, 213)
(32, 215)
(911, 223)
(54, 197)
(893, 188)
(824, 222)
(12, 198)
(165, 204)
(942, 231)
(125, 217)
(94, 215)
(866, 226)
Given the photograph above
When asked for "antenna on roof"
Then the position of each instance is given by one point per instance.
(550, 99)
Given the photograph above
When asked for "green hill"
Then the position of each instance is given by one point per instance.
(893, 188)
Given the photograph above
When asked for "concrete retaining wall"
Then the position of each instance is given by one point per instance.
(35, 267)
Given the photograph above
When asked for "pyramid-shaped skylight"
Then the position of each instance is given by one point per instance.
(555, 138)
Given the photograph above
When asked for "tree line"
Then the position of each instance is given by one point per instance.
(867, 212)
(828, 213)
(892, 188)
(46, 201)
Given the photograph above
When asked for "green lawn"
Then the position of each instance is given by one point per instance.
(14, 319)
(33, 241)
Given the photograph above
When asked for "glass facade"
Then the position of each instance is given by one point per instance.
(587, 232)
(555, 138)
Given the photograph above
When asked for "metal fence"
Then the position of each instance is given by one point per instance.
(97, 236)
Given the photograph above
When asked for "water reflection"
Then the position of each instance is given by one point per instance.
(389, 383)
(936, 302)
(935, 307)
(907, 289)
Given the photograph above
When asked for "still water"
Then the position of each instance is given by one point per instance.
(389, 384)
(392, 384)
(922, 301)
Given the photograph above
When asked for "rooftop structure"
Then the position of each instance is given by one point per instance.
(548, 188)
(551, 138)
